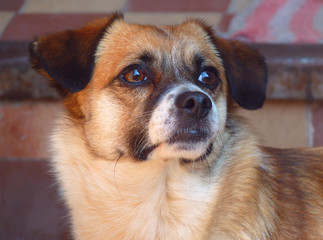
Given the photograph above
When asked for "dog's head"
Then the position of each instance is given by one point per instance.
(143, 92)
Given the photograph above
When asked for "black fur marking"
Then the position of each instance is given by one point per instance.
(156, 96)
(143, 154)
(198, 61)
(147, 58)
(68, 56)
(138, 139)
(247, 79)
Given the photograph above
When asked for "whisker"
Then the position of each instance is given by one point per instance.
(114, 177)
(140, 137)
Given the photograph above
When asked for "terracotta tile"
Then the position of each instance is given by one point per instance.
(25, 128)
(5, 17)
(171, 18)
(317, 117)
(178, 5)
(27, 26)
(29, 204)
(10, 5)
(280, 123)
(225, 22)
(72, 6)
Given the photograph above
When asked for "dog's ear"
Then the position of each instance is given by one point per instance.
(67, 58)
(246, 72)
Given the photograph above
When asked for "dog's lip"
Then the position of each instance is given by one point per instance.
(188, 135)
(200, 158)
(144, 153)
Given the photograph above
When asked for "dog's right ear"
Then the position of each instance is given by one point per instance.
(67, 58)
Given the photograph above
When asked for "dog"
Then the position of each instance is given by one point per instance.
(148, 144)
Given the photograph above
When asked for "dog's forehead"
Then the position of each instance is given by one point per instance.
(125, 33)
(131, 40)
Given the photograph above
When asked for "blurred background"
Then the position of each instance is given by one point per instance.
(288, 32)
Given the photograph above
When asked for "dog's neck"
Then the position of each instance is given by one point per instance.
(139, 197)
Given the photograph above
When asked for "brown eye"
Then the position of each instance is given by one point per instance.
(135, 75)
(209, 78)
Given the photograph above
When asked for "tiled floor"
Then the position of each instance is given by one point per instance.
(21, 20)
(178, 6)
(23, 132)
(253, 20)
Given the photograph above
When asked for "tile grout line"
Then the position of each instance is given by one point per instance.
(309, 124)
(5, 28)
(15, 13)
(125, 6)
(20, 10)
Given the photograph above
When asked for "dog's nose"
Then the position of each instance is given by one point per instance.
(196, 104)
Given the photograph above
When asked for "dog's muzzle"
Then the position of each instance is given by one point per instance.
(183, 124)
(192, 109)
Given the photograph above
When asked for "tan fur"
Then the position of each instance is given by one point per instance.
(240, 190)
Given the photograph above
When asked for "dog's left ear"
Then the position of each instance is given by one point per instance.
(246, 72)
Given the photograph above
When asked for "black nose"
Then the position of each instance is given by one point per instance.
(196, 104)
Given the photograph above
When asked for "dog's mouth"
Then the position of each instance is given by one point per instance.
(184, 140)
(187, 136)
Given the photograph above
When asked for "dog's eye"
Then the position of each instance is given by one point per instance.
(209, 78)
(135, 75)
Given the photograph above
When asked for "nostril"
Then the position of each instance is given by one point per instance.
(197, 104)
(207, 103)
(190, 103)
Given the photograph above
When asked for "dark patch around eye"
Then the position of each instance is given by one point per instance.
(191, 70)
(198, 61)
(146, 58)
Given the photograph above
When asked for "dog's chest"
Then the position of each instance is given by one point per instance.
(143, 204)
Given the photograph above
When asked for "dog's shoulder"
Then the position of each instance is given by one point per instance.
(299, 164)
(295, 177)
(303, 159)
